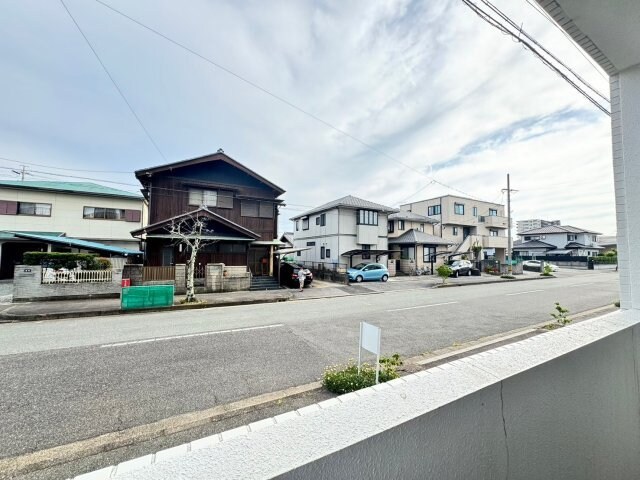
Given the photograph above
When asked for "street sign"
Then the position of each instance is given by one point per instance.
(370, 336)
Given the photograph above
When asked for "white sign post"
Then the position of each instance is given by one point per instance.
(370, 340)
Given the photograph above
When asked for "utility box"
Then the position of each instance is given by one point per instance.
(126, 282)
(151, 296)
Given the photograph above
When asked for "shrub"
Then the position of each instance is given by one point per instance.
(546, 271)
(56, 260)
(344, 379)
(444, 272)
(103, 264)
(617, 304)
(510, 277)
(561, 315)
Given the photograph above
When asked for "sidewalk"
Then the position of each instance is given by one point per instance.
(19, 312)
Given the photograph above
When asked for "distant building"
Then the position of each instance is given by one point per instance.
(532, 224)
(559, 240)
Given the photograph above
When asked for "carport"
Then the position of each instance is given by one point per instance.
(377, 253)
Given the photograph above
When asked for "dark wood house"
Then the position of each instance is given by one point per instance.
(239, 206)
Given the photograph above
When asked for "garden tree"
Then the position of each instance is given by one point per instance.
(188, 231)
(477, 249)
(444, 272)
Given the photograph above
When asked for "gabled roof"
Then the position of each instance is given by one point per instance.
(532, 244)
(288, 237)
(348, 202)
(201, 212)
(414, 236)
(608, 240)
(412, 217)
(557, 229)
(84, 188)
(213, 157)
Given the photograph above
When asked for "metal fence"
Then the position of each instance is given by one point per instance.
(155, 274)
(332, 272)
(50, 275)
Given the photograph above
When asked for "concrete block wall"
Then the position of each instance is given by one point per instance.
(181, 279)
(134, 273)
(564, 404)
(222, 278)
(28, 286)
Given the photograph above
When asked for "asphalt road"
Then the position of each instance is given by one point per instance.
(67, 380)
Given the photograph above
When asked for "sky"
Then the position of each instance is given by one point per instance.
(412, 90)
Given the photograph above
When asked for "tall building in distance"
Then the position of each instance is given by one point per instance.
(525, 225)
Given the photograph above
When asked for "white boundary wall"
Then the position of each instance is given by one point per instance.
(564, 404)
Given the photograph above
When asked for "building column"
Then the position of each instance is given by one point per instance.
(625, 129)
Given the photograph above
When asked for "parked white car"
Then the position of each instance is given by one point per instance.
(535, 265)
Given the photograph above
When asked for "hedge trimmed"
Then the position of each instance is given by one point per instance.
(86, 261)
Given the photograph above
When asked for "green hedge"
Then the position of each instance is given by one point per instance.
(604, 260)
(86, 261)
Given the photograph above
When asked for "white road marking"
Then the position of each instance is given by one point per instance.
(522, 293)
(188, 335)
(421, 306)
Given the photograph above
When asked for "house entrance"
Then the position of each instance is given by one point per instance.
(466, 231)
(259, 260)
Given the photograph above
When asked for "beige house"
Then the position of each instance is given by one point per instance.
(465, 222)
(413, 237)
(36, 216)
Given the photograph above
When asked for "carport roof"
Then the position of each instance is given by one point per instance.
(414, 236)
(351, 253)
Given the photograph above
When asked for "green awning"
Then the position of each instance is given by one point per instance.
(77, 243)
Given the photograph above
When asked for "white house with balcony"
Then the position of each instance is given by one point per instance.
(342, 233)
(66, 216)
(559, 240)
(465, 222)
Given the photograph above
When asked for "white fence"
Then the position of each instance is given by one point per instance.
(50, 275)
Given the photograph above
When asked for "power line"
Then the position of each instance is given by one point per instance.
(61, 168)
(518, 34)
(115, 84)
(275, 96)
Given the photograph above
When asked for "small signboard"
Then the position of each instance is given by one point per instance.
(370, 336)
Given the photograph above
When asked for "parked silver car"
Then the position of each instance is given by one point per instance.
(460, 267)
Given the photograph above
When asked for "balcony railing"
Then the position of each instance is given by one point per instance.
(494, 221)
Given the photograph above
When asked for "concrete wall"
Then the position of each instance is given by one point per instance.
(222, 278)
(562, 405)
(28, 286)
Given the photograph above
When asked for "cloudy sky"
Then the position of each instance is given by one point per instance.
(432, 90)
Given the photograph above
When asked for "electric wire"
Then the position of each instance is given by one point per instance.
(113, 81)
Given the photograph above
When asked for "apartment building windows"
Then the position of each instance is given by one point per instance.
(475, 211)
(493, 233)
(455, 231)
(458, 208)
(367, 217)
(433, 210)
(493, 212)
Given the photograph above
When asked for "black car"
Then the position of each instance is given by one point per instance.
(289, 275)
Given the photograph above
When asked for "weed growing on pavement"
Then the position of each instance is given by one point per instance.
(509, 277)
(345, 378)
(561, 317)
(546, 271)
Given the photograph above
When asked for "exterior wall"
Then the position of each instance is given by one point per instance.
(559, 405)
(221, 278)
(28, 286)
(410, 225)
(67, 216)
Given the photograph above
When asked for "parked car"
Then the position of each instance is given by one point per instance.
(289, 274)
(460, 267)
(368, 271)
(535, 265)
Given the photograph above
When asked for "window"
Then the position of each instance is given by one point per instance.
(475, 211)
(299, 253)
(254, 208)
(367, 217)
(458, 208)
(366, 256)
(199, 197)
(433, 210)
(38, 209)
(594, 238)
(321, 253)
(455, 231)
(421, 227)
(297, 225)
(400, 224)
(311, 244)
(493, 233)
(572, 238)
(428, 254)
(111, 214)
(493, 212)
(265, 210)
(317, 220)
(390, 226)
(327, 253)
(305, 223)
(323, 220)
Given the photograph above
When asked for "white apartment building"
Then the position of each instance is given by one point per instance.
(533, 223)
(343, 232)
(465, 222)
(33, 213)
(559, 240)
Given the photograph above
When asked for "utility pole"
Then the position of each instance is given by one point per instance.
(509, 190)
(20, 172)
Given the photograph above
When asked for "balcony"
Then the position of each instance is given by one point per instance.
(494, 221)
(494, 242)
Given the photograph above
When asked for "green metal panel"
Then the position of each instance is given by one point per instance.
(146, 297)
(72, 187)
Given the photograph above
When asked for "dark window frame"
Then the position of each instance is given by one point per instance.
(366, 256)
(305, 223)
(400, 225)
(493, 212)
(434, 210)
(35, 209)
(390, 226)
(367, 217)
(322, 249)
(456, 209)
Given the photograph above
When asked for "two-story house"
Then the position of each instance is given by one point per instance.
(343, 232)
(238, 206)
(464, 222)
(413, 237)
(559, 240)
(66, 216)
